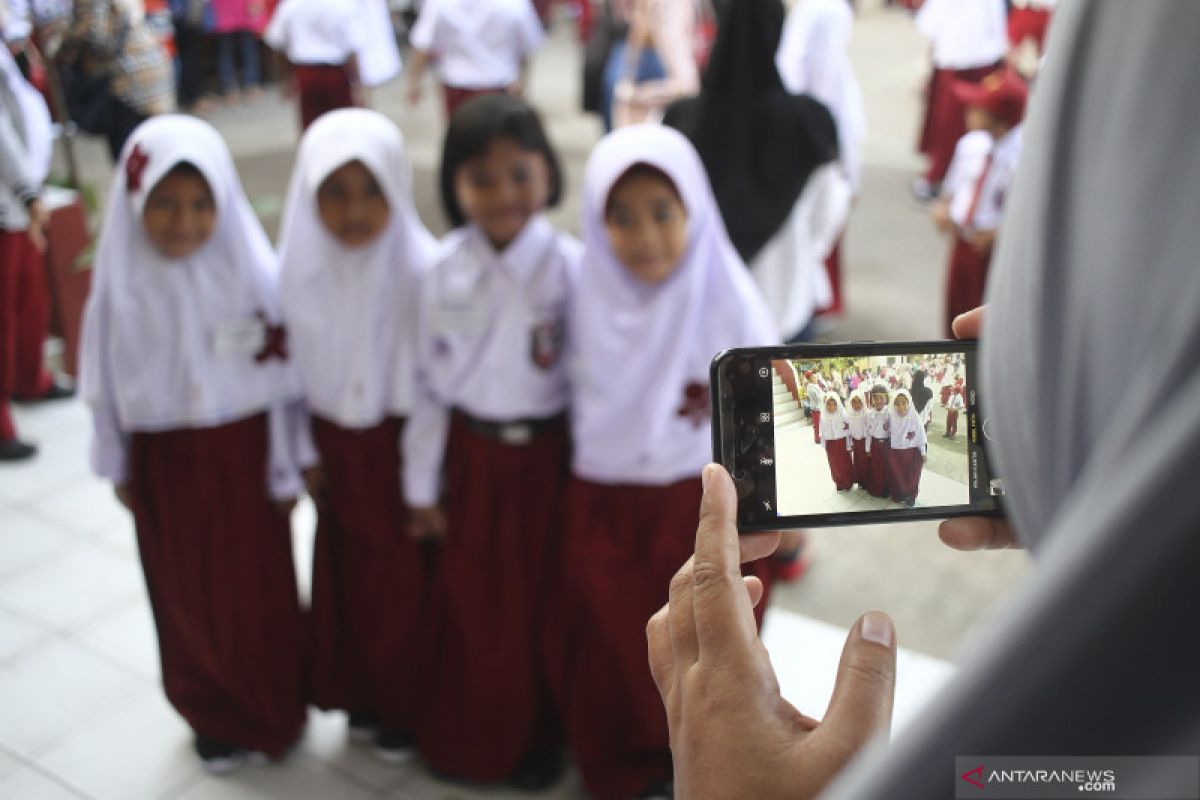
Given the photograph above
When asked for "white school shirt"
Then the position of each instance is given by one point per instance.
(478, 44)
(485, 321)
(317, 31)
(879, 426)
(964, 33)
(814, 397)
(955, 402)
(858, 425)
(790, 268)
(970, 157)
(1006, 152)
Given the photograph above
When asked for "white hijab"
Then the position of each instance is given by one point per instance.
(634, 344)
(833, 425)
(350, 312)
(857, 419)
(907, 430)
(35, 117)
(154, 325)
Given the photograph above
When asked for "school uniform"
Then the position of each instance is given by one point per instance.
(878, 447)
(977, 205)
(860, 441)
(24, 299)
(953, 408)
(488, 437)
(969, 41)
(193, 402)
(815, 394)
(641, 429)
(835, 436)
(319, 37)
(908, 446)
(349, 314)
(479, 46)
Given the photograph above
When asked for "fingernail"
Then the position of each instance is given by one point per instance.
(877, 628)
(706, 476)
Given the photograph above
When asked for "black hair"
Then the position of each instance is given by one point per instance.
(641, 168)
(479, 122)
(186, 168)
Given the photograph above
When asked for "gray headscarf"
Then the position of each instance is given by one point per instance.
(1091, 353)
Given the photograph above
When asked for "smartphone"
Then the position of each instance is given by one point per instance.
(819, 435)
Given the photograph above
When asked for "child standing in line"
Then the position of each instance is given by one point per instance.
(352, 250)
(195, 413)
(908, 450)
(955, 405)
(479, 47)
(490, 416)
(860, 438)
(879, 437)
(321, 40)
(835, 435)
(814, 394)
(661, 290)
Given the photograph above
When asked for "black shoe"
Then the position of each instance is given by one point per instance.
(363, 727)
(538, 771)
(60, 389)
(16, 450)
(219, 758)
(395, 747)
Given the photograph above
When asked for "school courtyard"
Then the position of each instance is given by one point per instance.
(83, 714)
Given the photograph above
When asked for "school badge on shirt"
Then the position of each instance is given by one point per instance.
(546, 344)
(697, 405)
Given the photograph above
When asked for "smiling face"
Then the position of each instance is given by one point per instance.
(352, 205)
(856, 404)
(879, 400)
(831, 406)
(901, 405)
(180, 214)
(502, 188)
(647, 224)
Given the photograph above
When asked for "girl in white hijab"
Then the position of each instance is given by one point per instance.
(185, 368)
(352, 249)
(835, 437)
(661, 291)
(908, 448)
(860, 438)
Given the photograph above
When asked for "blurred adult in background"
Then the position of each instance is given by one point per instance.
(813, 59)
(656, 63)
(238, 25)
(1095, 286)
(968, 42)
(116, 44)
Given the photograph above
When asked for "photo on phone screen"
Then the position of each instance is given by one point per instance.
(844, 434)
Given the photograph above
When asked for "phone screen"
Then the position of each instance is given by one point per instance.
(818, 435)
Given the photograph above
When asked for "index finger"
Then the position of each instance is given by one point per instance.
(967, 325)
(725, 627)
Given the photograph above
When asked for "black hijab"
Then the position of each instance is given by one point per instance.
(921, 394)
(758, 143)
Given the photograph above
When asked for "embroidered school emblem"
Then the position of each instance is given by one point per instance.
(911, 435)
(697, 405)
(135, 165)
(274, 341)
(546, 344)
(845, 426)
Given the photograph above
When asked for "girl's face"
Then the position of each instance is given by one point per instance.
(352, 205)
(856, 404)
(647, 226)
(831, 406)
(180, 214)
(502, 188)
(880, 401)
(901, 405)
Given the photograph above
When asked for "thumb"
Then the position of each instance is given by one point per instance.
(861, 707)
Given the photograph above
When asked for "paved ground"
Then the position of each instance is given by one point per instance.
(82, 716)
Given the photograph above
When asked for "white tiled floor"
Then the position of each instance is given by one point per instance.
(81, 710)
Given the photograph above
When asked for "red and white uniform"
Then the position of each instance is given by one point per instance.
(350, 322)
(319, 37)
(488, 436)
(835, 436)
(908, 447)
(195, 409)
(642, 435)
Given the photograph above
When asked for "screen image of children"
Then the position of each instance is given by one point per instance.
(870, 433)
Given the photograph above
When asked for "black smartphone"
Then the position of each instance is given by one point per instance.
(848, 434)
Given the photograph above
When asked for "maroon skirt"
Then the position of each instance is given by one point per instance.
(369, 581)
(904, 473)
(861, 459)
(945, 122)
(623, 545)
(877, 468)
(816, 421)
(217, 557)
(322, 88)
(841, 464)
(965, 280)
(485, 702)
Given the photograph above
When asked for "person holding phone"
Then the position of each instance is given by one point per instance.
(1107, 504)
